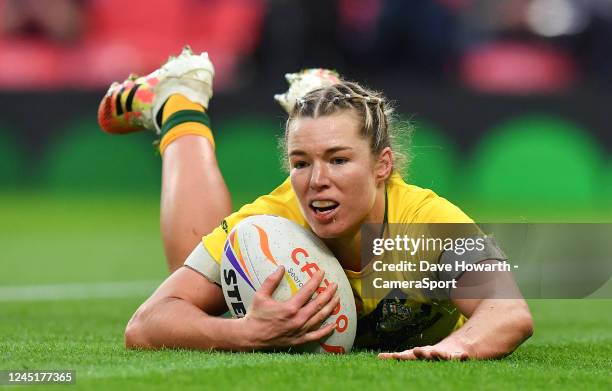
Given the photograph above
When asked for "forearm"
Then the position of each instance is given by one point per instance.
(495, 329)
(176, 323)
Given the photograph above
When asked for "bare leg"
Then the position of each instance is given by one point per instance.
(194, 197)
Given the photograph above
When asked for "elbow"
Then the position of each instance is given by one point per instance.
(519, 329)
(523, 329)
(135, 335)
(523, 321)
(526, 325)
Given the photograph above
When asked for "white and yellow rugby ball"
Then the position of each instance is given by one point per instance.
(254, 250)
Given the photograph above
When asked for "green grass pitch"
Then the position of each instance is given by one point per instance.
(59, 240)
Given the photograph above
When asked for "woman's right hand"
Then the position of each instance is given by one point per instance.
(270, 323)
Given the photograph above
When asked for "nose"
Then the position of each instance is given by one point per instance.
(319, 177)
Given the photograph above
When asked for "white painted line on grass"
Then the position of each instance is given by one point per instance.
(77, 291)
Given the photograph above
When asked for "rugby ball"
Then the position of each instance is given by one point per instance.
(258, 245)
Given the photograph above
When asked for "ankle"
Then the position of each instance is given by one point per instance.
(180, 117)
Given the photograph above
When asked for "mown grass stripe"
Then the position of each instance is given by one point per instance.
(77, 291)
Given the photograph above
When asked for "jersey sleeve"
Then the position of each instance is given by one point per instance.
(280, 202)
(202, 262)
(456, 224)
(422, 213)
(440, 210)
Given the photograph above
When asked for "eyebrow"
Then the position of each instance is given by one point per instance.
(328, 151)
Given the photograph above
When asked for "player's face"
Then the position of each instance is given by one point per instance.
(333, 173)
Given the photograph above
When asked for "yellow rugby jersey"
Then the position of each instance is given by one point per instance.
(391, 323)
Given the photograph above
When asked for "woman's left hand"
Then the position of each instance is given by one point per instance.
(497, 323)
(447, 349)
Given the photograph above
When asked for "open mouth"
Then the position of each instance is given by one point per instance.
(323, 208)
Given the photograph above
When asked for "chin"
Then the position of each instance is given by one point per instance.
(325, 233)
(329, 231)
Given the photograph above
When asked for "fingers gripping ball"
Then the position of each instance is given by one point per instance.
(303, 82)
(258, 245)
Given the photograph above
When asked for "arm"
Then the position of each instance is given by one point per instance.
(499, 321)
(180, 315)
(174, 316)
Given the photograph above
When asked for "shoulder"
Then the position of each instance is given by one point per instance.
(413, 204)
(281, 201)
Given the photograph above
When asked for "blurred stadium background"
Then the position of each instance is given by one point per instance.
(510, 100)
(509, 97)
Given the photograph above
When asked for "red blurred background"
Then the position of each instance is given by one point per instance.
(502, 46)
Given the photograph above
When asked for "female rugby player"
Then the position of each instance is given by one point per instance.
(343, 173)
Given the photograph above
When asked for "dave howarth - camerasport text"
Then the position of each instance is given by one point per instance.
(425, 266)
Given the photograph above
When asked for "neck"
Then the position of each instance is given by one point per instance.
(347, 248)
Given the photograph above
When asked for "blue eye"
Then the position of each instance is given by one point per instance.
(299, 164)
(339, 160)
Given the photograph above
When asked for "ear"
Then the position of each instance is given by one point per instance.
(384, 165)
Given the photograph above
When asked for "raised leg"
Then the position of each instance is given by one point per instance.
(194, 197)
